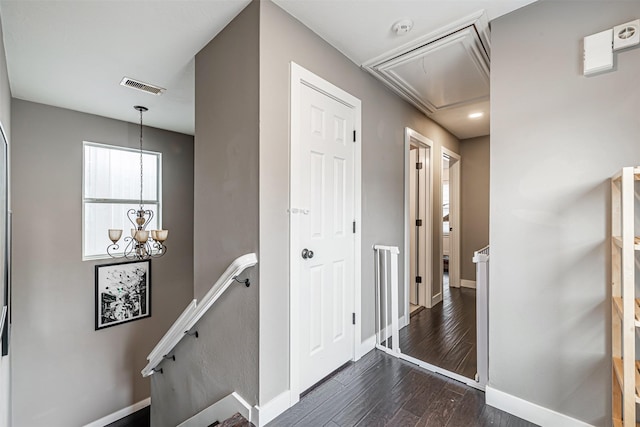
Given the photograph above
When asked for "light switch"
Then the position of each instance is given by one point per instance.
(598, 52)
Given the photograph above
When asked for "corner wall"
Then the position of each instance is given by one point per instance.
(5, 119)
(474, 197)
(556, 139)
(384, 116)
(226, 219)
(64, 372)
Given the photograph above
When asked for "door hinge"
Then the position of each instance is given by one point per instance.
(353, 318)
(354, 227)
(354, 136)
(419, 165)
(418, 279)
(418, 223)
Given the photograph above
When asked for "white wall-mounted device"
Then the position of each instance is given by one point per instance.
(599, 48)
(598, 52)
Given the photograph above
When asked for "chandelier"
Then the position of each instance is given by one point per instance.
(140, 245)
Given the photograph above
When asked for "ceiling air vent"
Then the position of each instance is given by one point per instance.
(145, 87)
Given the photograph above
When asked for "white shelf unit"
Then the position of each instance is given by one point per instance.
(625, 311)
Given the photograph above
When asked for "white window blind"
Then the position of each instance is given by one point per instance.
(111, 186)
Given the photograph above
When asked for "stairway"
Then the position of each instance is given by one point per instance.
(236, 420)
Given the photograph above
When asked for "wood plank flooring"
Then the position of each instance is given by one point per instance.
(380, 390)
(445, 335)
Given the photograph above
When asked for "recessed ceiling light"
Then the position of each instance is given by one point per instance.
(475, 115)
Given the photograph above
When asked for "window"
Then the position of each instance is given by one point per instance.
(111, 186)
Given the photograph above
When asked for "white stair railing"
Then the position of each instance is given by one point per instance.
(194, 312)
(386, 264)
(481, 259)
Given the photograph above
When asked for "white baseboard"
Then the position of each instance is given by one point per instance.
(262, 415)
(365, 347)
(386, 332)
(403, 321)
(468, 283)
(221, 410)
(106, 420)
(267, 412)
(530, 411)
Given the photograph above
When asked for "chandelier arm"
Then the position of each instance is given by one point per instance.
(129, 251)
(149, 212)
(112, 250)
(130, 213)
(160, 249)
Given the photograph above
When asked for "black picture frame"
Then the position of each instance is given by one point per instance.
(123, 293)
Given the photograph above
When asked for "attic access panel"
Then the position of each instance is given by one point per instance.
(445, 70)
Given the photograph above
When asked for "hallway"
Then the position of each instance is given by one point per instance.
(445, 335)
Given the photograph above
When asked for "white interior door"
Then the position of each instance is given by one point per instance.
(324, 238)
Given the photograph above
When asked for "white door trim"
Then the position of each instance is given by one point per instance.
(411, 137)
(454, 219)
(301, 76)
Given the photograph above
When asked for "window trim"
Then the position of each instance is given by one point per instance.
(84, 200)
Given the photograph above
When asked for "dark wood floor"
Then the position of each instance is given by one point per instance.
(380, 390)
(142, 418)
(445, 335)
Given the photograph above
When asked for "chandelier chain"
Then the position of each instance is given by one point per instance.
(141, 175)
(143, 243)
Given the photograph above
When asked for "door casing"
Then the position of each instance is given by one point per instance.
(300, 76)
(413, 138)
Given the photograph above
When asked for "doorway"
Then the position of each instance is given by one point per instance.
(440, 329)
(324, 229)
(450, 219)
(418, 224)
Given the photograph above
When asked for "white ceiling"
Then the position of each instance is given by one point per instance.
(73, 54)
(362, 31)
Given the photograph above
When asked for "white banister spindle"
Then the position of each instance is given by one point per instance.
(388, 279)
(481, 259)
(394, 302)
(378, 302)
(386, 301)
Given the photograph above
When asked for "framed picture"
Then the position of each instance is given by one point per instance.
(123, 293)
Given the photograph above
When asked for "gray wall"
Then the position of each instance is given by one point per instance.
(474, 201)
(556, 138)
(384, 116)
(220, 361)
(64, 372)
(225, 357)
(226, 149)
(5, 119)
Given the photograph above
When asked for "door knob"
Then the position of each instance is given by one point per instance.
(307, 254)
